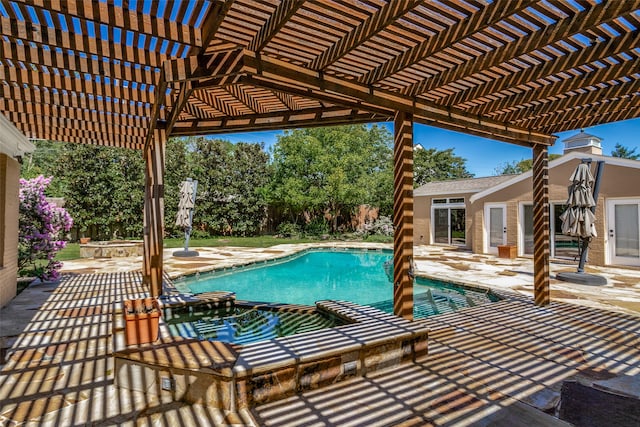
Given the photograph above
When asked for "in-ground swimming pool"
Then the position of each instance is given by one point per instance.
(350, 275)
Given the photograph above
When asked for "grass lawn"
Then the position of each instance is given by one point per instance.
(72, 251)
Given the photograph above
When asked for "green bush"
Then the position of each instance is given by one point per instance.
(317, 227)
(289, 229)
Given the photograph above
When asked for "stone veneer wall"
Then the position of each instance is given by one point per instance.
(9, 184)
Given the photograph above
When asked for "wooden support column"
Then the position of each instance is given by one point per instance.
(540, 225)
(403, 215)
(154, 155)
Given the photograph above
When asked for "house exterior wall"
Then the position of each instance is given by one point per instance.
(9, 184)
(617, 182)
(422, 218)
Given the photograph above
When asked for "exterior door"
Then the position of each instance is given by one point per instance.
(623, 218)
(495, 226)
(449, 226)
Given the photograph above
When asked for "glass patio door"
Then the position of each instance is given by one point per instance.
(495, 226)
(449, 226)
(624, 231)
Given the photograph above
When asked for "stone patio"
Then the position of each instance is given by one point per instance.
(497, 366)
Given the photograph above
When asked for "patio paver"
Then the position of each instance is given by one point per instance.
(484, 366)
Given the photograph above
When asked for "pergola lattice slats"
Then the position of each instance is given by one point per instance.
(597, 51)
(59, 110)
(75, 63)
(65, 40)
(43, 96)
(486, 16)
(563, 28)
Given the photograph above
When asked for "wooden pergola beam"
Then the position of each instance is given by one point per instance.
(60, 112)
(74, 62)
(56, 37)
(597, 51)
(278, 19)
(69, 123)
(604, 117)
(272, 121)
(113, 16)
(558, 87)
(74, 84)
(602, 112)
(285, 77)
(388, 13)
(564, 28)
(487, 16)
(80, 135)
(556, 111)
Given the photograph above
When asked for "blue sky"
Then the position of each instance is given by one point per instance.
(484, 155)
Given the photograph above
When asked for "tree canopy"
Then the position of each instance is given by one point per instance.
(329, 171)
(430, 164)
(313, 178)
(625, 152)
(518, 166)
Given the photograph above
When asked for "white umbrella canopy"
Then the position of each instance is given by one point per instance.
(185, 204)
(578, 220)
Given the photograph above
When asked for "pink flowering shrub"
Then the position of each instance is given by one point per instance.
(42, 229)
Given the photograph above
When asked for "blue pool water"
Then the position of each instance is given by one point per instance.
(357, 276)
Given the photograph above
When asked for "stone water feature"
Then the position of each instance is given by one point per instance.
(111, 249)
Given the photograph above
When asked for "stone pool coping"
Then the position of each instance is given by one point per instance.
(233, 377)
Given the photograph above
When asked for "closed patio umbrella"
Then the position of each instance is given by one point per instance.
(185, 204)
(579, 218)
(184, 217)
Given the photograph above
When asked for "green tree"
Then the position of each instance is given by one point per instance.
(329, 171)
(43, 162)
(624, 152)
(518, 166)
(230, 186)
(103, 189)
(177, 169)
(430, 164)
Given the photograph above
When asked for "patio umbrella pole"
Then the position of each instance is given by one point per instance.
(579, 217)
(596, 191)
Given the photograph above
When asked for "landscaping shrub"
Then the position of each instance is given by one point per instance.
(42, 230)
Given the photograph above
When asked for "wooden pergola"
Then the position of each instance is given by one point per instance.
(132, 74)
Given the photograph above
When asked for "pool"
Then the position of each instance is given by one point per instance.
(242, 324)
(350, 275)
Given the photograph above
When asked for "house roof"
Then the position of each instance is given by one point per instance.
(458, 186)
(609, 160)
(580, 136)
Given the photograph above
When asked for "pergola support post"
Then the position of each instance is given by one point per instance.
(540, 225)
(152, 268)
(403, 215)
